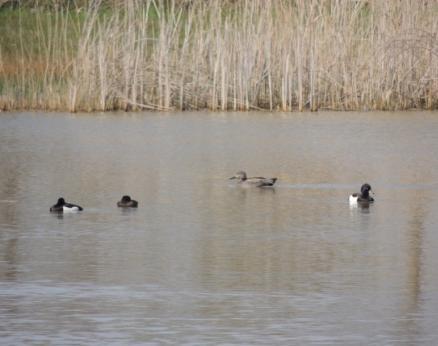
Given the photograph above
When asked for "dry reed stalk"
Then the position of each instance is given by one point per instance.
(219, 54)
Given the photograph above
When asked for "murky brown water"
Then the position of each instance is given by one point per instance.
(203, 262)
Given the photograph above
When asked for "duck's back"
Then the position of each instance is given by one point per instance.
(260, 181)
(130, 204)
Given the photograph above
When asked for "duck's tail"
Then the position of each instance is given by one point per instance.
(269, 182)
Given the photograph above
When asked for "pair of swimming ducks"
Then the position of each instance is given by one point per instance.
(360, 197)
(63, 207)
(126, 202)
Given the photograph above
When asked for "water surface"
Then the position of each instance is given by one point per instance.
(205, 262)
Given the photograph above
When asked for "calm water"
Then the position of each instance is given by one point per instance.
(203, 262)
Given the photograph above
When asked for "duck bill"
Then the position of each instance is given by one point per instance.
(234, 177)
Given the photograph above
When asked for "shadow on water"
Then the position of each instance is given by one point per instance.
(363, 207)
(12, 169)
(416, 214)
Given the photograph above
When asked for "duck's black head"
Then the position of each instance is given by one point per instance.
(126, 199)
(60, 201)
(365, 189)
(241, 175)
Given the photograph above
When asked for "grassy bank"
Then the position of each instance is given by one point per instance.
(221, 55)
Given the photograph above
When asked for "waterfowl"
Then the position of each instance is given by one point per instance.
(363, 196)
(253, 181)
(62, 207)
(127, 202)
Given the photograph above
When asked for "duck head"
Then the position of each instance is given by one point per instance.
(241, 175)
(126, 199)
(365, 190)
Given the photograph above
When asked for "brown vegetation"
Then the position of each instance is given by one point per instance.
(228, 55)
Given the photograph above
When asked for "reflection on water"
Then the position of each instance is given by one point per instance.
(203, 261)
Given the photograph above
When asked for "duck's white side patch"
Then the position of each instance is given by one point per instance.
(70, 210)
(353, 200)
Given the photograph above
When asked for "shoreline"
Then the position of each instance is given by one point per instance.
(220, 112)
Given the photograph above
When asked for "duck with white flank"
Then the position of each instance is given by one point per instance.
(63, 207)
(363, 196)
(127, 202)
(253, 181)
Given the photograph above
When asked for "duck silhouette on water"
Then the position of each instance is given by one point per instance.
(363, 196)
(243, 180)
(63, 207)
(127, 202)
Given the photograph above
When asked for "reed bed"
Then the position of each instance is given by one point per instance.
(223, 55)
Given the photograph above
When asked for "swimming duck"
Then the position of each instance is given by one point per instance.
(127, 202)
(62, 207)
(253, 181)
(363, 196)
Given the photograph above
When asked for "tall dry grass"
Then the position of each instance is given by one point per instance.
(227, 55)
